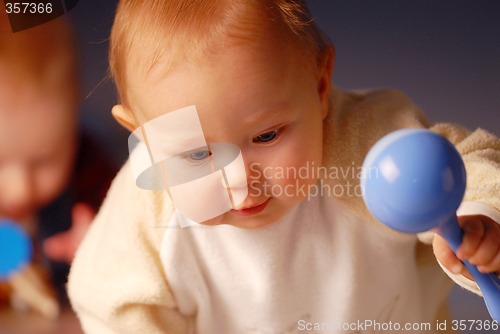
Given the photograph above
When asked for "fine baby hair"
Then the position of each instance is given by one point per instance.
(162, 34)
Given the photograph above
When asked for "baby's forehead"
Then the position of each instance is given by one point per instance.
(32, 128)
(170, 37)
(54, 79)
(166, 62)
(239, 78)
(55, 85)
(30, 110)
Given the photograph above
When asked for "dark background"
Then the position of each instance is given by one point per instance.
(445, 54)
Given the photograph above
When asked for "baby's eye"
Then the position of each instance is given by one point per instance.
(267, 137)
(200, 155)
(197, 156)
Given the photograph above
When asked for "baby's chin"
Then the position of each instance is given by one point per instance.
(245, 223)
(18, 215)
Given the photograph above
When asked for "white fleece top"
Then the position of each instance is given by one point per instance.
(318, 265)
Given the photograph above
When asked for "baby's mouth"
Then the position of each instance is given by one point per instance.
(251, 209)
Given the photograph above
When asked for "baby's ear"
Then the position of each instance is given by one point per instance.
(325, 78)
(124, 116)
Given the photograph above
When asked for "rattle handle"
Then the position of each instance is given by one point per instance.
(489, 284)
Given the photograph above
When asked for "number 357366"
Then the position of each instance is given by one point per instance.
(28, 8)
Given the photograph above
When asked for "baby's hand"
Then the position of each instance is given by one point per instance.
(62, 246)
(480, 246)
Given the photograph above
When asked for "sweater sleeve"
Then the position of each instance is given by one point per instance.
(116, 283)
(480, 151)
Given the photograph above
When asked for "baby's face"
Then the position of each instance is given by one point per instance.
(37, 143)
(268, 103)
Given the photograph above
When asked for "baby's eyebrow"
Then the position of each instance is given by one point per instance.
(265, 115)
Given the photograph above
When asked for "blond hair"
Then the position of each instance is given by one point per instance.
(146, 31)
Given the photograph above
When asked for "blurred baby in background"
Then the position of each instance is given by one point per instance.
(52, 177)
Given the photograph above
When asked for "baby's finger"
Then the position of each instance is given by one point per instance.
(489, 247)
(474, 232)
(493, 266)
(445, 255)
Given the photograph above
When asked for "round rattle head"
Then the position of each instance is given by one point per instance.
(413, 180)
(15, 248)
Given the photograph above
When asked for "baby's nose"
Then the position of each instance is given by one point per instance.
(16, 191)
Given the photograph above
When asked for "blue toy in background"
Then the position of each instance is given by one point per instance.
(15, 249)
(16, 269)
(414, 181)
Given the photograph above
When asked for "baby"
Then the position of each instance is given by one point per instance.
(51, 175)
(300, 250)
(38, 124)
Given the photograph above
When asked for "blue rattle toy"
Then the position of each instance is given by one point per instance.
(414, 181)
(15, 249)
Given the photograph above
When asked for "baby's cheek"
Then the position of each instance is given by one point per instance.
(296, 182)
(291, 172)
